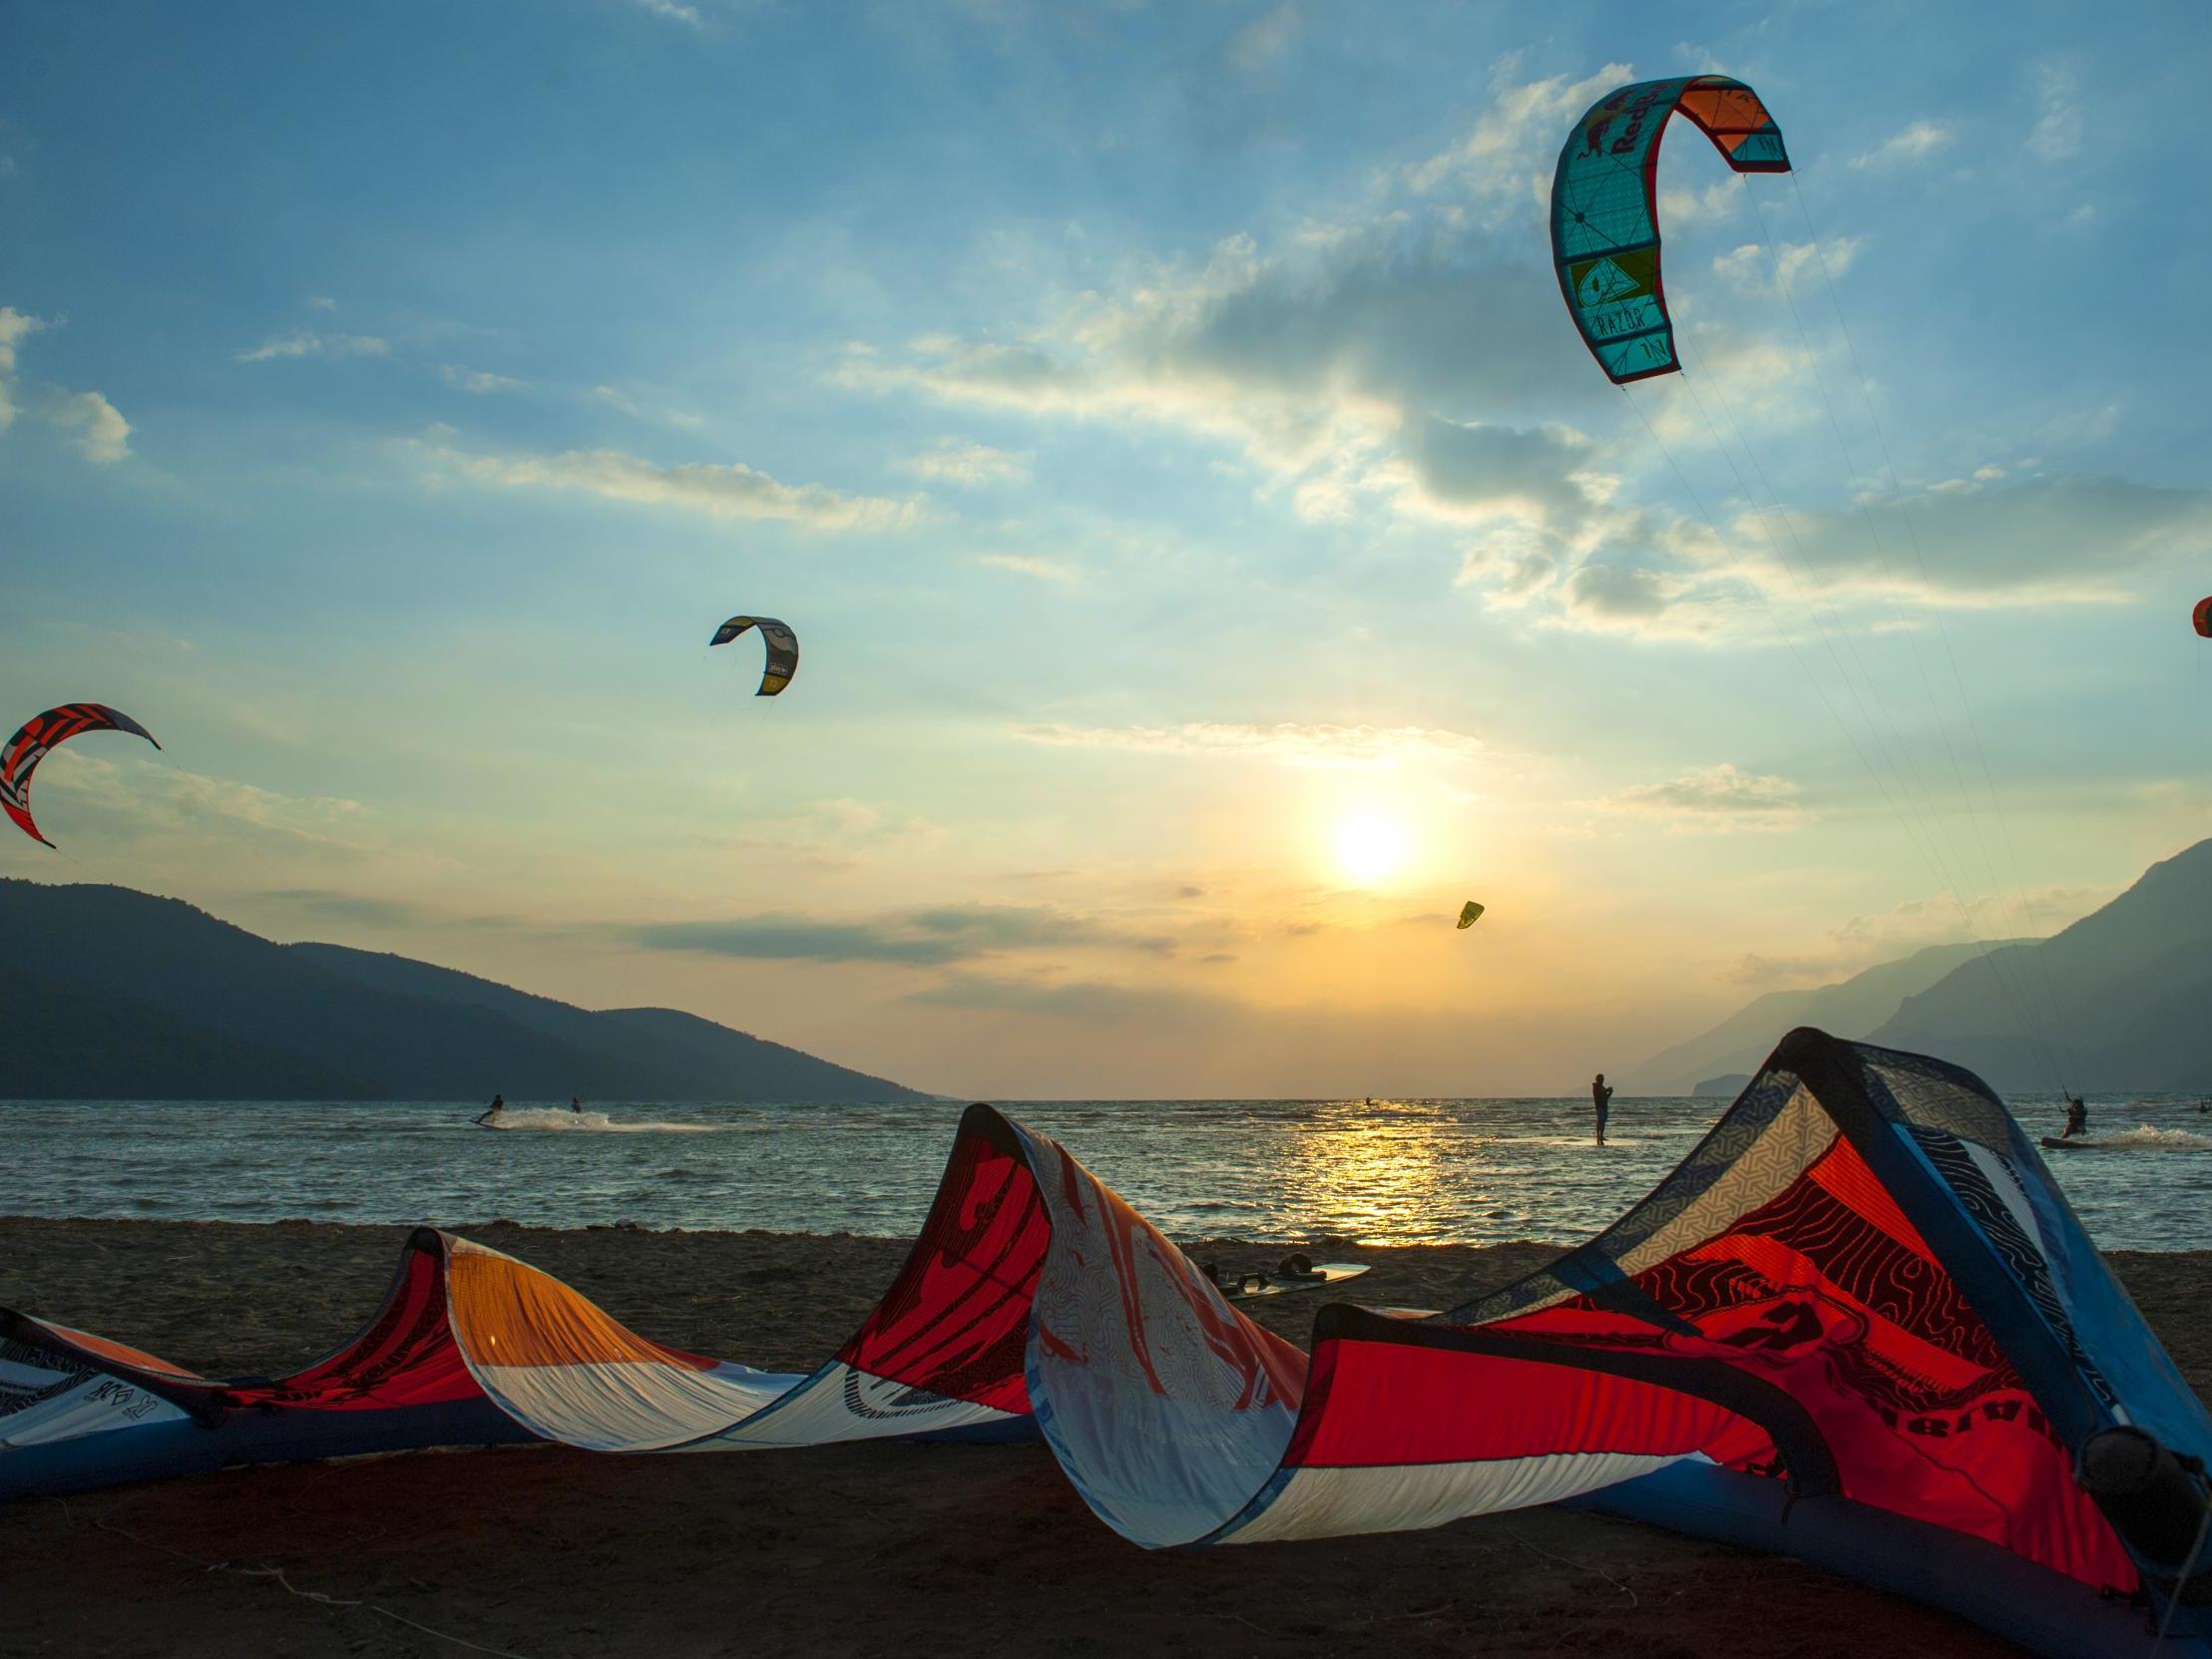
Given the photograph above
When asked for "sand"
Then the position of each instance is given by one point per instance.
(885, 1549)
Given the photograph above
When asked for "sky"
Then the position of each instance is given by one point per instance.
(1214, 554)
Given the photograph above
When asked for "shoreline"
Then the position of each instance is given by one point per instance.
(927, 1552)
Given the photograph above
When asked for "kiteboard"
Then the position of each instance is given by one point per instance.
(1282, 1280)
(2078, 1145)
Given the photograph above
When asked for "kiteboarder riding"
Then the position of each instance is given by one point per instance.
(490, 1115)
(2078, 1119)
(1600, 1098)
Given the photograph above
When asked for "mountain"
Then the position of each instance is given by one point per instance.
(2120, 1001)
(1850, 1008)
(112, 993)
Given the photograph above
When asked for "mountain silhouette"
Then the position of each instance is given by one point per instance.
(113, 992)
(2120, 1001)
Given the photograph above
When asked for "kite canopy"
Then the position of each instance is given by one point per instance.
(783, 650)
(1604, 208)
(2202, 617)
(1859, 1324)
(1469, 912)
(38, 736)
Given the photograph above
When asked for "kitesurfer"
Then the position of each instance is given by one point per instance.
(1600, 1098)
(2078, 1119)
(490, 1115)
(575, 1104)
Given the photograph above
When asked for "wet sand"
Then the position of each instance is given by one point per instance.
(914, 1550)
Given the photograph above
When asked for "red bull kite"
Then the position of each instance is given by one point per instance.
(1604, 208)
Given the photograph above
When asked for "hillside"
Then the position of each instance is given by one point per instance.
(2120, 1001)
(114, 993)
(1849, 1008)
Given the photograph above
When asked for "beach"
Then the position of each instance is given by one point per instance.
(854, 1549)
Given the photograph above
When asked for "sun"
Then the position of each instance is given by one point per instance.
(1370, 846)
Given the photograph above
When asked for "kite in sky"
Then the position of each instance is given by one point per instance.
(783, 650)
(2202, 617)
(40, 735)
(1604, 208)
(1469, 912)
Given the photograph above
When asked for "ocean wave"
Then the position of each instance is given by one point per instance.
(558, 1120)
(2146, 1139)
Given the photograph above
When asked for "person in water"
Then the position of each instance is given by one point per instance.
(575, 1104)
(2078, 1119)
(1601, 1099)
(491, 1113)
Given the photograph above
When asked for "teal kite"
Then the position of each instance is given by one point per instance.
(1604, 210)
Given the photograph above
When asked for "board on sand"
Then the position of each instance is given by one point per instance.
(1245, 1286)
(2078, 1145)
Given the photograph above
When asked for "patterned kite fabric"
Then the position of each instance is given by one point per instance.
(1605, 214)
(38, 737)
(1859, 1324)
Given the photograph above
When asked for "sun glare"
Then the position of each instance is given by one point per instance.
(1370, 846)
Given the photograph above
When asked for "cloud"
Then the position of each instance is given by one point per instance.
(777, 938)
(968, 465)
(730, 491)
(929, 938)
(1288, 744)
(1985, 542)
(1915, 143)
(100, 433)
(301, 344)
(1469, 473)
(478, 382)
(670, 11)
(1089, 1001)
(1030, 565)
(1749, 269)
(1715, 799)
(14, 326)
(2057, 133)
(1508, 155)
(156, 802)
(1401, 357)
(352, 908)
(1751, 969)
(1261, 43)
(2064, 538)
(96, 427)
(1679, 209)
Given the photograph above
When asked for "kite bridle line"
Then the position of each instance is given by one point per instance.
(1926, 850)
(1935, 843)
(1929, 820)
(2024, 912)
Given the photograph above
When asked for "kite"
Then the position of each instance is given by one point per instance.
(1604, 208)
(783, 650)
(38, 736)
(2202, 617)
(1469, 912)
(1859, 1324)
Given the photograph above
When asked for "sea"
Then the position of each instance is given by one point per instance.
(1386, 1171)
